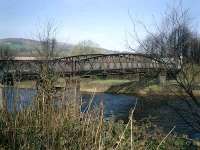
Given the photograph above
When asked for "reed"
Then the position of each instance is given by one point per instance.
(44, 125)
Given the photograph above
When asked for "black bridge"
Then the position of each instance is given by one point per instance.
(93, 64)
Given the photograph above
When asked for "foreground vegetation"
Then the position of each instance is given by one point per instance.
(44, 126)
(47, 124)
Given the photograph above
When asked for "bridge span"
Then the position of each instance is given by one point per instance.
(121, 63)
(81, 65)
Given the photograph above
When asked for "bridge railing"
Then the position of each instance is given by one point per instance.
(96, 63)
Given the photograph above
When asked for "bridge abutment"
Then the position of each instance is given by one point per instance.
(162, 77)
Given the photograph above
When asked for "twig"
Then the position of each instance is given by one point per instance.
(165, 138)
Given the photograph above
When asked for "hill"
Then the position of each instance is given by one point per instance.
(28, 47)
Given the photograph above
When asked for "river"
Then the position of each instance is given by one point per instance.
(116, 107)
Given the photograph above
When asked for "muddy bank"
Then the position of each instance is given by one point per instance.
(100, 86)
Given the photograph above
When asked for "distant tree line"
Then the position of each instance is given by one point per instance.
(5, 52)
(86, 47)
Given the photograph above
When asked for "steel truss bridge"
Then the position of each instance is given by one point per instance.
(93, 64)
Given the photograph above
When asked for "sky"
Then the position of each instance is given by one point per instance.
(106, 22)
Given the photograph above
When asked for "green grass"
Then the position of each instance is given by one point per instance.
(99, 85)
(26, 84)
(109, 81)
(142, 88)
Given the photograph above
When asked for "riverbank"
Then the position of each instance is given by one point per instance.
(157, 103)
(136, 88)
(23, 85)
(99, 85)
(155, 108)
(121, 86)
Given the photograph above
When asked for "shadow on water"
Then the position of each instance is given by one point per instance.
(160, 111)
(116, 107)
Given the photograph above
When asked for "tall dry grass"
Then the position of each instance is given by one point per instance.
(46, 125)
(43, 126)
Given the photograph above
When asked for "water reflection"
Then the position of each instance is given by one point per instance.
(20, 98)
(116, 106)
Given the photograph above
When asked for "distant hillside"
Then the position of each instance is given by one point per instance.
(27, 47)
(88, 47)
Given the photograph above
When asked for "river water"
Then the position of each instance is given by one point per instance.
(115, 106)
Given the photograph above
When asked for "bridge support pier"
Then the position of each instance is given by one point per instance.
(136, 77)
(71, 87)
(162, 77)
(141, 77)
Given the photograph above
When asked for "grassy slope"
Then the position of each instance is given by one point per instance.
(99, 85)
(27, 47)
(138, 88)
(129, 87)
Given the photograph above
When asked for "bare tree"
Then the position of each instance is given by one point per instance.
(47, 75)
(175, 44)
(47, 42)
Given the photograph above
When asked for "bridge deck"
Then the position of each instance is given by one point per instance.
(121, 63)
